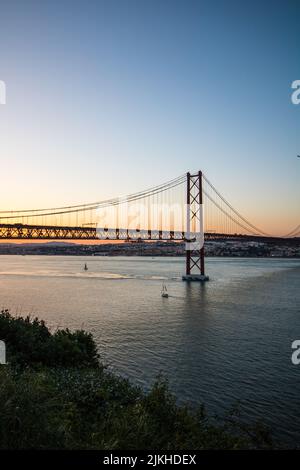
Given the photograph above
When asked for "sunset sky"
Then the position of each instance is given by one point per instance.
(109, 97)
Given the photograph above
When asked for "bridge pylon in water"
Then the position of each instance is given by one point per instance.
(194, 245)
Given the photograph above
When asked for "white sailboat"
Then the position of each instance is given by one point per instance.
(164, 291)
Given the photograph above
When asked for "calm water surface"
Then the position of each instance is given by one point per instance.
(224, 341)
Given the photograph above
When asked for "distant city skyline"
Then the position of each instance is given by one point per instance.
(108, 98)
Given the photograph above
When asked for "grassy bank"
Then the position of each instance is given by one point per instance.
(56, 394)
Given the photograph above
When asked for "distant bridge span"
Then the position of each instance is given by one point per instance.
(186, 209)
(42, 232)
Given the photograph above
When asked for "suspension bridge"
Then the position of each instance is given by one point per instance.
(188, 208)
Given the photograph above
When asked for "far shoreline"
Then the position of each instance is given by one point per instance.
(232, 256)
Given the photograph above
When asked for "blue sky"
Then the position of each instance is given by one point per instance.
(109, 97)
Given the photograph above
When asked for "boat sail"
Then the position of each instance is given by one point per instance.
(164, 291)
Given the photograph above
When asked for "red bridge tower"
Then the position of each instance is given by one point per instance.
(194, 237)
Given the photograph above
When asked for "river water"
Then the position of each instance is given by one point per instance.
(225, 341)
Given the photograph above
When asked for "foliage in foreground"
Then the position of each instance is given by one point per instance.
(88, 407)
(30, 343)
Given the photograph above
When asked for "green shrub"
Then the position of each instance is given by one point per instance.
(94, 409)
(55, 394)
(29, 342)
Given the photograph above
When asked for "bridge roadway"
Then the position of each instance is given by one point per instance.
(47, 232)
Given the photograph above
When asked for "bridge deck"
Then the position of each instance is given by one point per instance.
(41, 232)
